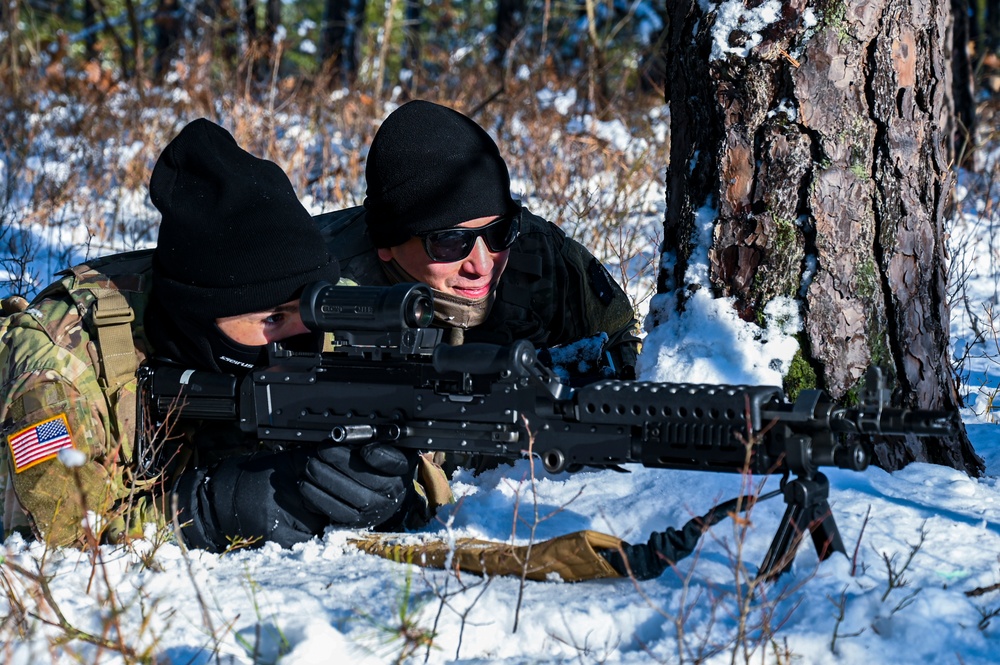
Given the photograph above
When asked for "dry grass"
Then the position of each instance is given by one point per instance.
(78, 150)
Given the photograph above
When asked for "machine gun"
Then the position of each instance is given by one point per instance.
(383, 375)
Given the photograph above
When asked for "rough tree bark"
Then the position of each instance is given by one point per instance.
(823, 141)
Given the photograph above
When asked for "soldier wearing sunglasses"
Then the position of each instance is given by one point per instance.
(439, 211)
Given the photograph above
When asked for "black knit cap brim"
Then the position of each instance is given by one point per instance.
(213, 303)
(431, 168)
(234, 237)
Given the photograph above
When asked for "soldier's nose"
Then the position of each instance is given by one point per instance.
(480, 259)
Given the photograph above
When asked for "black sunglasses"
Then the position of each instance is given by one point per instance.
(455, 244)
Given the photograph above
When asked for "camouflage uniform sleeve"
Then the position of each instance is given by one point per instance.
(51, 400)
(603, 307)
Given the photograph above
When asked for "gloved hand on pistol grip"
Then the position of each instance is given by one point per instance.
(251, 497)
(358, 487)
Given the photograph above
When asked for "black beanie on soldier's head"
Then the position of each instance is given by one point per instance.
(430, 168)
(234, 237)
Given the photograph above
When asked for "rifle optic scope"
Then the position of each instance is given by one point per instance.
(328, 308)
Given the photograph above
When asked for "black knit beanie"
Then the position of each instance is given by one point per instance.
(234, 238)
(430, 168)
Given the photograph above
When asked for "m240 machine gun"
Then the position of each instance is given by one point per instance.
(384, 375)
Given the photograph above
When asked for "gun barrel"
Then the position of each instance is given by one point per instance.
(893, 421)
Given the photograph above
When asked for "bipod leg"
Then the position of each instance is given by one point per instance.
(807, 509)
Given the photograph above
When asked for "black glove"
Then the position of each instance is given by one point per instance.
(663, 548)
(290, 496)
(252, 496)
(359, 488)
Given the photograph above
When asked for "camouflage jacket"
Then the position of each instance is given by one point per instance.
(54, 394)
(553, 291)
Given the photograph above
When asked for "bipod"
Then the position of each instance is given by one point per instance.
(807, 509)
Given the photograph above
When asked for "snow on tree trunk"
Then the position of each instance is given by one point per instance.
(821, 136)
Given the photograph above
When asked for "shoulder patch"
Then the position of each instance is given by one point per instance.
(39, 442)
(600, 282)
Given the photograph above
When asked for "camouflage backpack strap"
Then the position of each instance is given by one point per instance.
(113, 318)
(110, 281)
(112, 315)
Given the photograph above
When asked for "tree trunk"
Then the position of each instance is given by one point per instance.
(223, 32)
(984, 28)
(510, 16)
(89, 19)
(822, 146)
(250, 20)
(266, 55)
(10, 60)
(261, 50)
(272, 19)
(169, 25)
(412, 47)
(136, 57)
(342, 24)
(964, 86)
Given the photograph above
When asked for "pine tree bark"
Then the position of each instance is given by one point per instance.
(823, 145)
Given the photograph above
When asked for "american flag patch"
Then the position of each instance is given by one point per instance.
(40, 442)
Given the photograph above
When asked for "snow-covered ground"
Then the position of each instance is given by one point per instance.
(921, 542)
